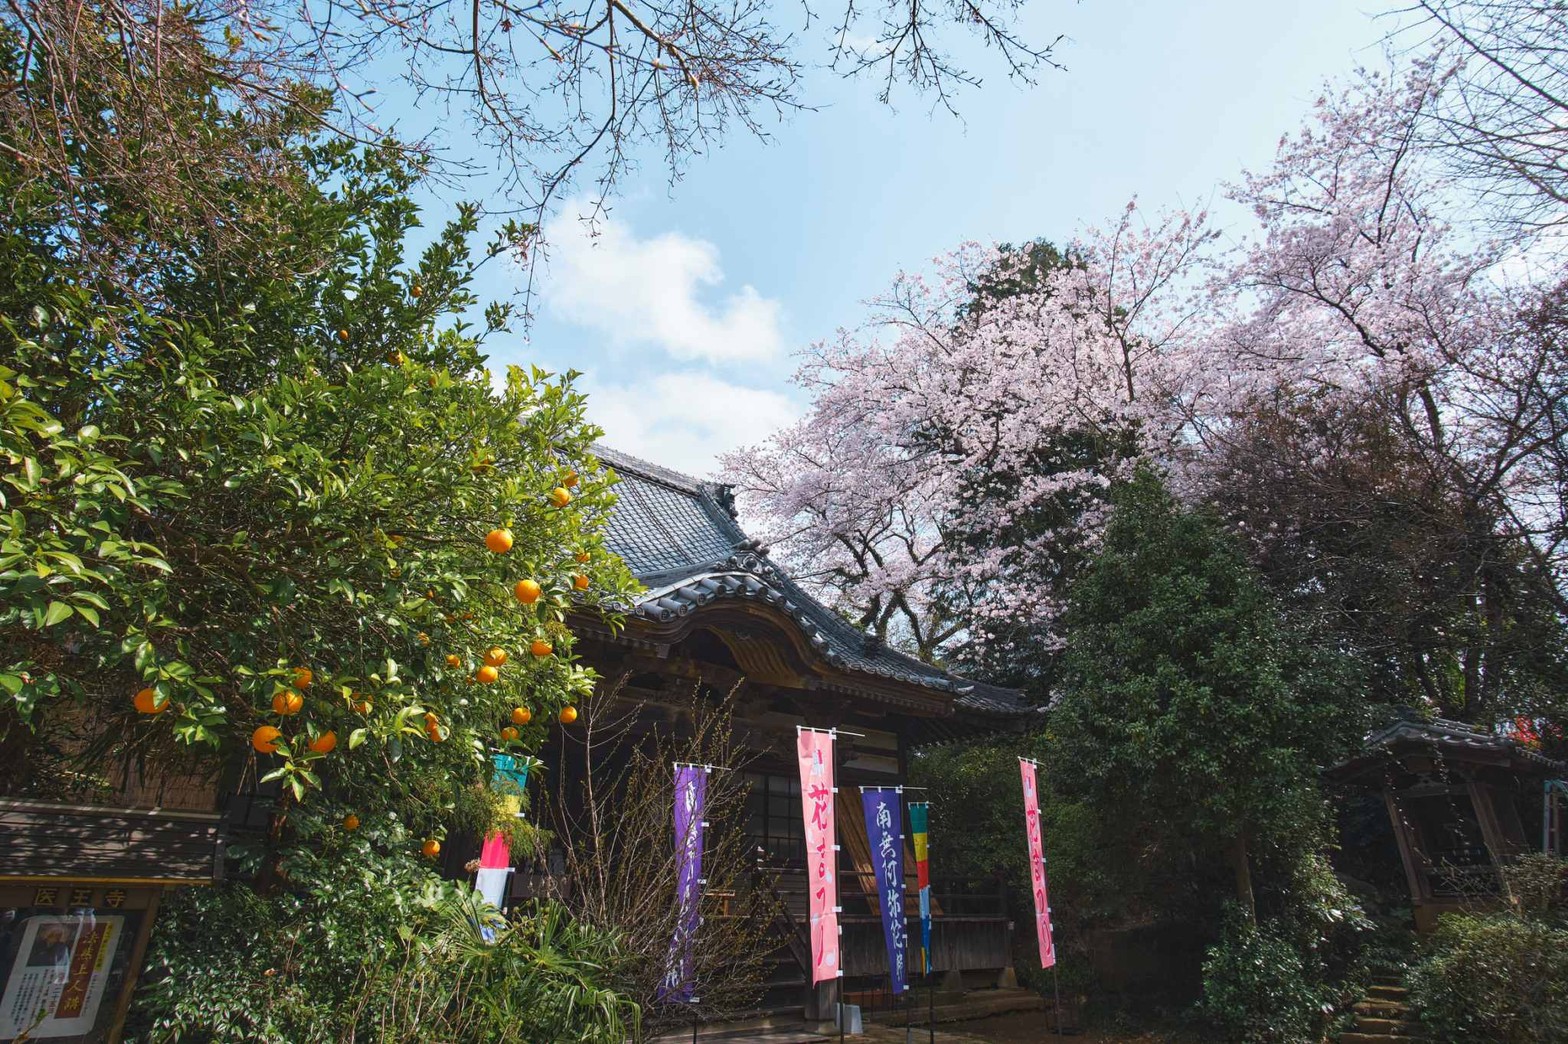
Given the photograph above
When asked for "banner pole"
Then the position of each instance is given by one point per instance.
(931, 1003)
(838, 878)
(1056, 987)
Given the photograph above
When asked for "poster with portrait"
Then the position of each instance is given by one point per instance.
(57, 982)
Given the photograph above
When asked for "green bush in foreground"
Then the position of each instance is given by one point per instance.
(1501, 976)
(417, 960)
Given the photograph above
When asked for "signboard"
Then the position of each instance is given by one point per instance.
(58, 980)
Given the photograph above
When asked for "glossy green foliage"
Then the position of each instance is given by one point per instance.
(410, 960)
(1187, 694)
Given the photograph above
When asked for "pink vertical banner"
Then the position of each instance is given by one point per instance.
(815, 750)
(1042, 900)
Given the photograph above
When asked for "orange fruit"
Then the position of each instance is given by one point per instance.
(509, 734)
(486, 675)
(351, 822)
(580, 582)
(431, 719)
(361, 705)
(431, 848)
(541, 648)
(343, 336)
(324, 743)
(436, 733)
(148, 701)
(396, 358)
(287, 702)
(568, 714)
(499, 540)
(424, 639)
(303, 676)
(453, 660)
(265, 739)
(495, 657)
(582, 556)
(415, 291)
(560, 496)
(521, 715)
(570, 480)
(527, 591)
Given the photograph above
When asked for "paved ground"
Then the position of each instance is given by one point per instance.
(1028, 1028)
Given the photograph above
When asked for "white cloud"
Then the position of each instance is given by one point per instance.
(684, 420)
(651, 291)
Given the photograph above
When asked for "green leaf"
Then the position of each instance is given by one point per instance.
(57, 612)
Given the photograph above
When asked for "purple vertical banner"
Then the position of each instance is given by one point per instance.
(691, 788)
(885, 830)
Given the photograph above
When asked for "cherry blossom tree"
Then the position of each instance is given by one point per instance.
(1359, 348)
(961, 442)
(1365, 326)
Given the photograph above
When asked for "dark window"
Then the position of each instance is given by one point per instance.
(773, 818)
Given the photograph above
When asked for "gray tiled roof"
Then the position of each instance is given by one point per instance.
(679, 537)
(1446, 733)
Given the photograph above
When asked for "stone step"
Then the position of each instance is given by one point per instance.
(1393, 993)
(1376, 1038)
(1390, 1027)
(1381, 1009)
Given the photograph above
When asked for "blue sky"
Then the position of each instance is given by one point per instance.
(685, 313)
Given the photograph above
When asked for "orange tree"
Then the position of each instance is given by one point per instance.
(248, 513)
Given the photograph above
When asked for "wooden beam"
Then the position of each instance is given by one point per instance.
(1415, 876)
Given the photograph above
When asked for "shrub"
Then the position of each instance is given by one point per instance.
(1258, 986)
(1501, 976)
(419, 959)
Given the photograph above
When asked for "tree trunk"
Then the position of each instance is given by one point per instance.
(1238, 861)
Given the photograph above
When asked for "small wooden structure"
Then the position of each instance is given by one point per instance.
(1456, 799)
(79, 889)
(716, 612)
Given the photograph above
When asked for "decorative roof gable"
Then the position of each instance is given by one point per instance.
(679, 536)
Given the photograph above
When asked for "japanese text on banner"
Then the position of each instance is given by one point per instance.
(815, 752)
(1042, 901)
(885, 830)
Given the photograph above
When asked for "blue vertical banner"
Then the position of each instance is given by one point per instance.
(885, 831)
(691, 789)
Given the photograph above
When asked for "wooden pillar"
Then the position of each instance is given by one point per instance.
(1491, 831)
(1414, 875)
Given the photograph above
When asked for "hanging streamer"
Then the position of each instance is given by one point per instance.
(919, 824)
(691, 790)
(1042, 902)
(815, 753)
(509, 778)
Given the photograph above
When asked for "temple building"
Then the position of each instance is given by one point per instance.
(1460, 804)
(716, 611)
